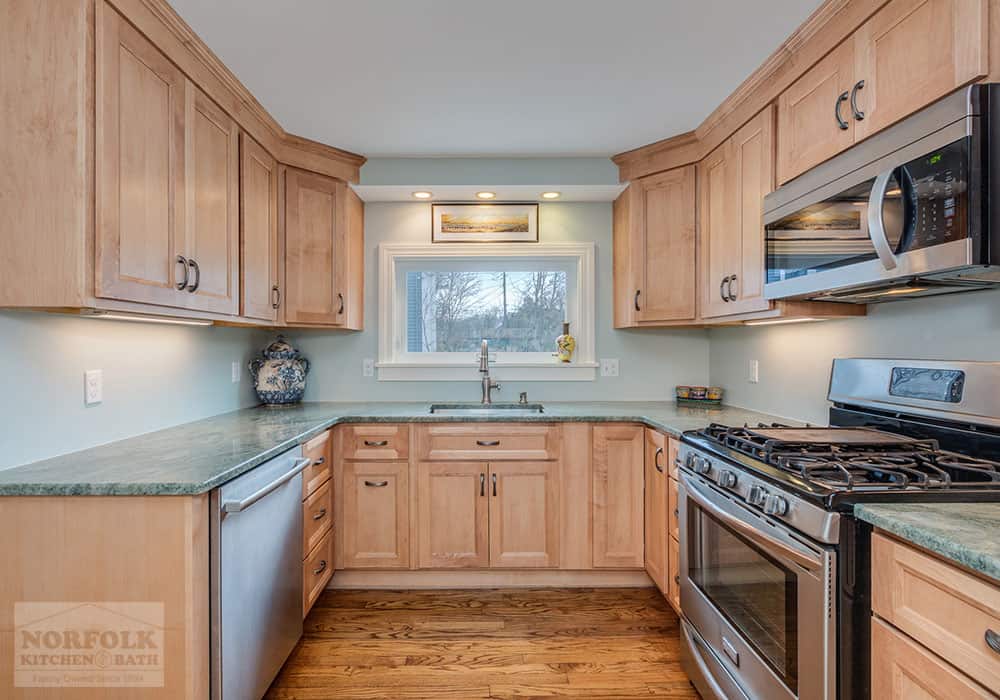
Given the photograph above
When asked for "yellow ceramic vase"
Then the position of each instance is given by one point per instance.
(565, 344)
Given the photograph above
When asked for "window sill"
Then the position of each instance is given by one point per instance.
(501, 372)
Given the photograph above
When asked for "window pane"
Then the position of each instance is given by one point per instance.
(514, 311)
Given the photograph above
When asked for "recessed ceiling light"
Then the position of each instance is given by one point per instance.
(423, 194)
(551, 195)
(486, 195)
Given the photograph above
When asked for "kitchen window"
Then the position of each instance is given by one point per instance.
(437, 303)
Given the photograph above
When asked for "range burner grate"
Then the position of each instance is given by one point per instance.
(857, 458)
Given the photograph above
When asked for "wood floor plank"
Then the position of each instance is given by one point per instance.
(493, 643)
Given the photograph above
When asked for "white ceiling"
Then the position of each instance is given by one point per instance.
(511, 78)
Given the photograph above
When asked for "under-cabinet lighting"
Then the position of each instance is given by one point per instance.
(895, 291)
(422, 194)
(144, 318)
(779, 321)
(551, 195)
(486, 195)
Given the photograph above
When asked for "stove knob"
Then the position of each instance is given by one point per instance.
(689, 460)
(727, 479)
(776, 505)
(757, 496)
(702, 466)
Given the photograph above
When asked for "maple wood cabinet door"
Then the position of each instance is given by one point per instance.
(376, 515)
(524, 514)
(453, 515)
(719, 212)
(618, 496)
(212, 234)
(912, 52)
(140, 167)
(814, 114)
(260, 296)
(656, 509)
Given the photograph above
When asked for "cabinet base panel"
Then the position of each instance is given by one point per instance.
(489, 579)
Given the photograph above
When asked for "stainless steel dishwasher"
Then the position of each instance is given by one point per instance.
(256, 576)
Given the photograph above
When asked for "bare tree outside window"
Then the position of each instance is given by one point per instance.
(515, 311)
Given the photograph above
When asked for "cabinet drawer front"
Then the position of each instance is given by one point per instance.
(317, 517)
(945, 609)
(318, 450)
(317, 570)
(375, 441)
(902, 669)
(487, 441)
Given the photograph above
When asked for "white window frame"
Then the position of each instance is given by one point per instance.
(395, 364)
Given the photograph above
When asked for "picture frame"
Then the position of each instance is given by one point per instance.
(487, 222)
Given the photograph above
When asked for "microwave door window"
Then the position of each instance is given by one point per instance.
(822, 236)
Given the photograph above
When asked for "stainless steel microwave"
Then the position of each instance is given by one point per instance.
(911, 211)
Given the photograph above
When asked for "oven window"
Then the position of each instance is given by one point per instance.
(757, 595)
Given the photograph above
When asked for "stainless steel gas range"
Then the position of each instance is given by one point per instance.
(774, 568)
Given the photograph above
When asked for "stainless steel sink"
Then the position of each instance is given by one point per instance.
(493, 409)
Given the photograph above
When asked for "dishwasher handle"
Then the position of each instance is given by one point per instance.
(230, 507)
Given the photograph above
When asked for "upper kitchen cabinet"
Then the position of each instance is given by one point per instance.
(907, 55)
(323, 252)
(733, 181)
(260, 295)
(654, 250)
(167, 181)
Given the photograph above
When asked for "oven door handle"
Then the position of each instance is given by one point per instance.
(804, 558)
(876, 222)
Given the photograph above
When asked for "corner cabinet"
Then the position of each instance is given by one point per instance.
(167, 165)
(323, 252)
(907, 55)
(734, 179)
(655, 250)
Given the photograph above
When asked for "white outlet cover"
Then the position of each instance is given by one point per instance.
(753, 371)
(236, 374)
(93, 386)
(368, 367)
(609, 367)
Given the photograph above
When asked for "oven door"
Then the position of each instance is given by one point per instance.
(759, 597)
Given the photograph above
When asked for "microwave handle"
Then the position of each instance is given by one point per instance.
(807, 560)
(876, 222)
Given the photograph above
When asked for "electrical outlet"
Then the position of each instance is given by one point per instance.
(236, 372)
(93, 386)
(609, 367)
(368, 367)
(753, 371)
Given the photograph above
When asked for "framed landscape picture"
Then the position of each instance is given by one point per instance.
(484, 223)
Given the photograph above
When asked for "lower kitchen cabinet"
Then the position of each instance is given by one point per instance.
(376, 515)
(317, 519)
(452, 515)
(673, 574)
(524, 514)
(479, 515)
(656, 509)
(618, 464)
(317, 570)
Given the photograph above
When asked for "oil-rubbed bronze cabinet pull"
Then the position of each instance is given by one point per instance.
(377, 484)
(341, 309)
(320, 515)
(858, 114)
(636, 300)
(182, 285)
(321, 568)
(494, 477)
(193, 287)
(993, 640)
(318, 461)
(276, 297)
(488, 443)
(656, 459)
(376, 443)
(482, 484)
(841, 98)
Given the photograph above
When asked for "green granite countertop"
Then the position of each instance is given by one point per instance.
(196, 457)
(966, 533)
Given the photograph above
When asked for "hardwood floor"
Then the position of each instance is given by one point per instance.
(616, 643)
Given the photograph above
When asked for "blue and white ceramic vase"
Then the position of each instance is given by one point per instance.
(280, 376)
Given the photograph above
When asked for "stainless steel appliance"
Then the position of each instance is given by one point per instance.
(908, 212)
(256, 576)
(774, 568)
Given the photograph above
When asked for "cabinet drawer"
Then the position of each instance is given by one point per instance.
(942, 607)
(317, 569)
(902, 669)
(375, 441)
(672, 504)
(487, 441)
(318, 450)
(317, 517)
